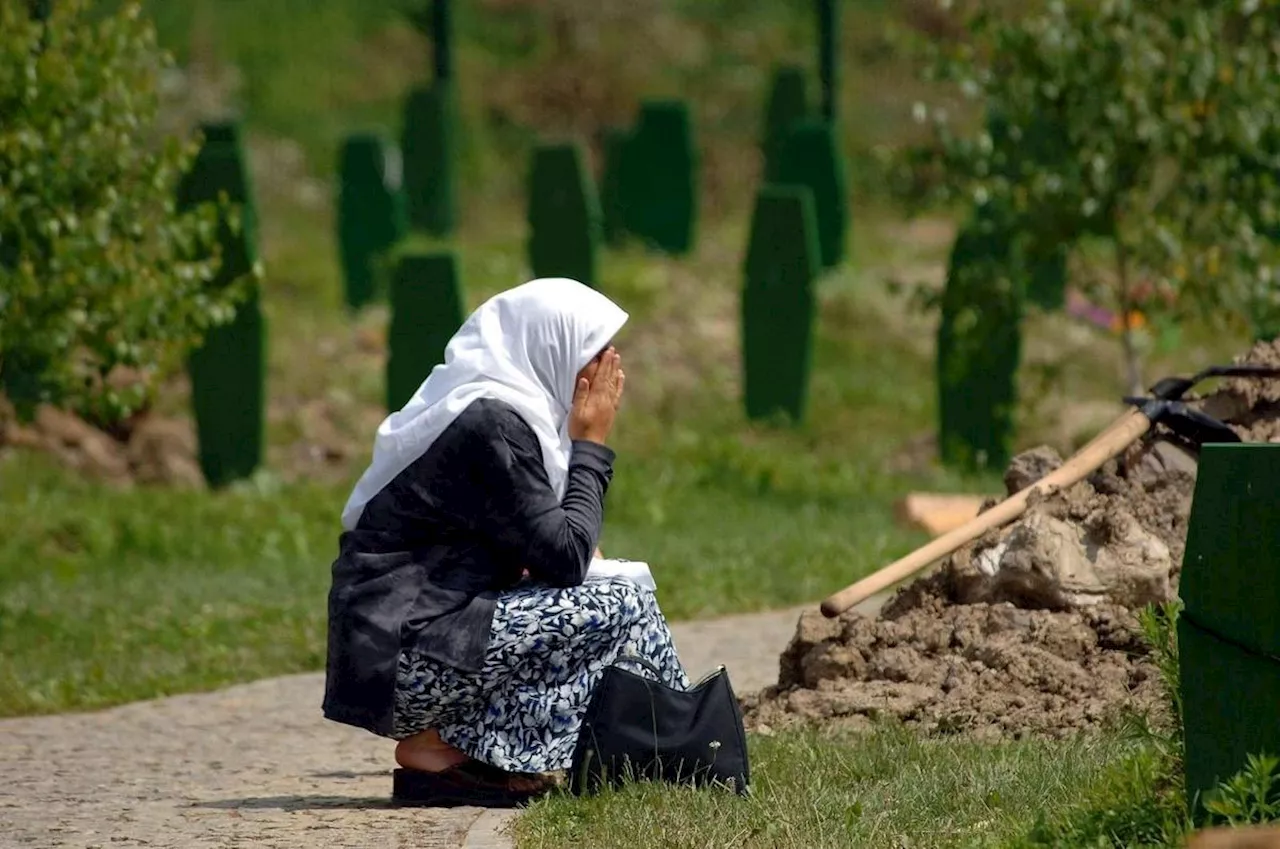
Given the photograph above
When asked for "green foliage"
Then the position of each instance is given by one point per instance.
(660, 180)
(228, 370)
(1136, 806)
(99, 297)
(787, 107)
(1160, 629)
(1250, 796)
(1046, 260)
(778, 303)
(980, 346)
(428, 145)
(563, 215)
(811, 157)
(1047, 277)
(1149, 126)
(370, 212)
(882, 787)
(426, 310)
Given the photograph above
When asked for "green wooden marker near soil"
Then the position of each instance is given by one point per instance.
(778, 303)
(563, 215)
(426, 310)
(810, 157)
(442, 38)
(228, 371)
(427, 143)
(829, 56)
(786, 108)
(980, 346)
(370, 213)
(223, 132)
(1229, 629)
(613, 216)
(659, 180)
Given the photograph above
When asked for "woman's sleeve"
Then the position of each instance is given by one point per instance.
(554, 540)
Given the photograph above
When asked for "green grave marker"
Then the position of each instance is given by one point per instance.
(778, 303)
(228, 371)
(426, 310)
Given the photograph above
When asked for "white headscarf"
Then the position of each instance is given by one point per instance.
(524, 346)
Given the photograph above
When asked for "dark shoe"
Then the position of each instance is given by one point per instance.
(469, 784)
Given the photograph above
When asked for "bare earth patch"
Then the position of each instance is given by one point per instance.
(1032, 628)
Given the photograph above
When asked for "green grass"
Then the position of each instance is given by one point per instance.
(888, 788)
(108, 596)
(313, 70)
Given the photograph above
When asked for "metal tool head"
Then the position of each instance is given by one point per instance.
(1174, 388)
(1192, 427)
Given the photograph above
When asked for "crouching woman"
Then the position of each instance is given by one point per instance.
(462, 622)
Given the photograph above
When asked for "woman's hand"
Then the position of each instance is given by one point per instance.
(596, 399)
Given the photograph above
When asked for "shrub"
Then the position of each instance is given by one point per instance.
(1147, 127)
(99, 296)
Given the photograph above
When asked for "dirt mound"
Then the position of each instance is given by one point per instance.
(1117, 536)
(1030, 629)
(989, 670)
(1251, 407)
(152, 450)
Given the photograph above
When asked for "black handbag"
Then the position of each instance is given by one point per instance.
(641, 729)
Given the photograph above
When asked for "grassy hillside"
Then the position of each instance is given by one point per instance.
(109, 595)
(311, 70)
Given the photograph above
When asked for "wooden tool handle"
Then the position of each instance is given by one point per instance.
(1120, 435)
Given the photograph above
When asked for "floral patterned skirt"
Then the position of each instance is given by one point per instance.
(522, 711)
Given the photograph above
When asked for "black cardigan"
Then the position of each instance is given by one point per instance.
(432, 551)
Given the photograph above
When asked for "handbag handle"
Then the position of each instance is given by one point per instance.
(642, 663)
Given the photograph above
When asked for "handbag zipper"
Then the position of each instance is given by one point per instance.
(713, 673)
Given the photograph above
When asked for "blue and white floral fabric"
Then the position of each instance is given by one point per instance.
(548, 647)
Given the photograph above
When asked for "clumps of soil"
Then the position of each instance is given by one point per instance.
(993, 671)
(1031, 629)
(1251, 407)
(152, 450)
(157, 450)
(1117, 536)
